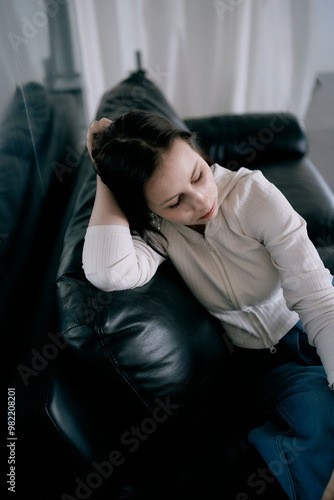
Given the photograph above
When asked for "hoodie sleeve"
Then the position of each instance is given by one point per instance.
(115, 260)
(307, 284)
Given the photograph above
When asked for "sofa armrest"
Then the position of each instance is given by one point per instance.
(250, 139)
(152, 343)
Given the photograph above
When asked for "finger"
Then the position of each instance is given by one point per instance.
(99, 125)
(96, 127)
(105, 120)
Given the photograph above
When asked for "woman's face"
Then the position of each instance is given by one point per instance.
(182, 189)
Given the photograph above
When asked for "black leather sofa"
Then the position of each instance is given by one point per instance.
(40, 158)
(140, 398)
(38, 130)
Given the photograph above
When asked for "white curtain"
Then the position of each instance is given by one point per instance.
(207, 57)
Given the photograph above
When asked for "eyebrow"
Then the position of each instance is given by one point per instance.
(172, 197)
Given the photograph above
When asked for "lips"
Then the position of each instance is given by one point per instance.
(206, 216)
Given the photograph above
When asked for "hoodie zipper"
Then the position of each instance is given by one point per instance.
(227, 281)
(271, 347)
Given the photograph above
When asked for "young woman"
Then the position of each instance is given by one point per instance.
(245, 254)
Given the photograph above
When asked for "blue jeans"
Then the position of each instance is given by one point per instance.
(290, 386)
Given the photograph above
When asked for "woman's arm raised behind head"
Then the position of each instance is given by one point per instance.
(112, 258)
(106, 210)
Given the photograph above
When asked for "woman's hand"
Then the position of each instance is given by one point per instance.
(95, 128)
(106, 210)
(329, 491)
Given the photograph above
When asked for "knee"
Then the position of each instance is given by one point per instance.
(309, 413)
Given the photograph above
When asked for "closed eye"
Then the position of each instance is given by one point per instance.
(198, 178)
(179, 200)
(175, 204)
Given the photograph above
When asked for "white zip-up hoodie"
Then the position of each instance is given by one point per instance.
(254, 269)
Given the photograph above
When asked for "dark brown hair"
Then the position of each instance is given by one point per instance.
(126, 154)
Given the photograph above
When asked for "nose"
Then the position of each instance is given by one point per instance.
(199, 201)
